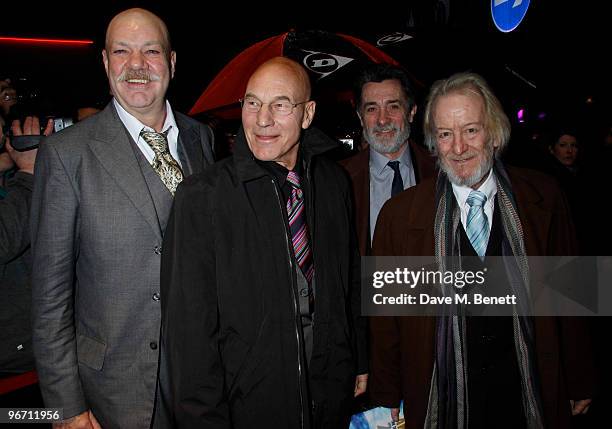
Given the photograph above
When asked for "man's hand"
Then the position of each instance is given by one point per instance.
(395, 414)
(31, 126)
(85, 420)
(361, 384)
(580, 407)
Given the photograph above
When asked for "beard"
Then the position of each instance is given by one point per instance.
(486, 163)
(383, 145)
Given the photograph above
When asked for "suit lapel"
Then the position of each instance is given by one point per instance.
(190, 149)
(423, 162)
(112, 147)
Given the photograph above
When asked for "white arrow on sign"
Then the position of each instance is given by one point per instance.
(516, 3)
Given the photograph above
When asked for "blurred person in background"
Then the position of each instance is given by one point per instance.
(565, 149)
(16, 356)
(8, 98)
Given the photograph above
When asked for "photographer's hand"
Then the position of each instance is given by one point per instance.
(31, 126)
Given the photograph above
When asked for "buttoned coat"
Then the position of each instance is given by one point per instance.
(98, 217)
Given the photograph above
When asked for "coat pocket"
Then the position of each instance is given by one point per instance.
(90, 351)
(243, 361)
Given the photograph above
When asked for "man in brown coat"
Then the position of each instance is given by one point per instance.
(477, 372)
(392, 162)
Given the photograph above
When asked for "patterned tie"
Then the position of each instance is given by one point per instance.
(477, 223)
(398, 184)
(299, 228)
(168, 169)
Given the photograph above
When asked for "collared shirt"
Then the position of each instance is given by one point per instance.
(134, 127)
(381, 179)
(488, 187)
(279, 173)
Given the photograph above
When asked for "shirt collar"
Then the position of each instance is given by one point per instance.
(279, 172)
(134, 126)
(378, 161)
(488, 187)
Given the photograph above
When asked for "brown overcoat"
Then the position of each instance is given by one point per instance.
(402, 348)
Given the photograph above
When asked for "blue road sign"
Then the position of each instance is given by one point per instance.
(508, 14)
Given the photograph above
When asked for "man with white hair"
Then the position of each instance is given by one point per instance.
(456, 371)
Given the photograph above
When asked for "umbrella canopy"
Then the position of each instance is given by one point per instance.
(332, 59)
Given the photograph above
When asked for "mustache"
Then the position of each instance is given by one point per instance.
(385, 128)
(463, 156)
(139, 74)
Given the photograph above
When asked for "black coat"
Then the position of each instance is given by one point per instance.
(15, 328)
(229, 298)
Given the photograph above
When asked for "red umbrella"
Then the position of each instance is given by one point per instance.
(330, 58)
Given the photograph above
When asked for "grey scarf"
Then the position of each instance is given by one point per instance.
(448, 399)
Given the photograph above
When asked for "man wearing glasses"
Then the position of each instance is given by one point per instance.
(386, 106)
(260, 274)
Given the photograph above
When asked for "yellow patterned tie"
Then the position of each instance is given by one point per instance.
(168, 169)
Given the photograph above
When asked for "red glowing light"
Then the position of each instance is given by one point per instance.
(46, 41)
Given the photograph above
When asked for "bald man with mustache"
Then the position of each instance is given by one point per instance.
(103, 192)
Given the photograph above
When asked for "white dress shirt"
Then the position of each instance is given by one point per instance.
(134, 127)
(488, 187)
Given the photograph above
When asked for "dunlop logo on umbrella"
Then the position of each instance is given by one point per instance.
(324, 63)
(393, 38)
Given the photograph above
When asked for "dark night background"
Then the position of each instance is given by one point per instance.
(561, 48)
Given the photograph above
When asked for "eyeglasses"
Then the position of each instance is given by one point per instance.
(278, 107)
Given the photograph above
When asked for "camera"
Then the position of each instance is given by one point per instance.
(30, 101)
(61, 123)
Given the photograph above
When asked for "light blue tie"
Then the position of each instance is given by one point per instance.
(477, 223)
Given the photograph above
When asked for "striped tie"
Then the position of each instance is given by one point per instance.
(299, 228)
(477, 223)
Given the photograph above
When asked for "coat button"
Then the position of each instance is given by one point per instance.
(153, 345)
(304, 292)
(157, 250)
(155, 296)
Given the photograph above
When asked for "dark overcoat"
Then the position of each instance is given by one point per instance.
(229, 298)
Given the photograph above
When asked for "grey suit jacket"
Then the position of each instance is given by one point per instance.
(96, 244)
